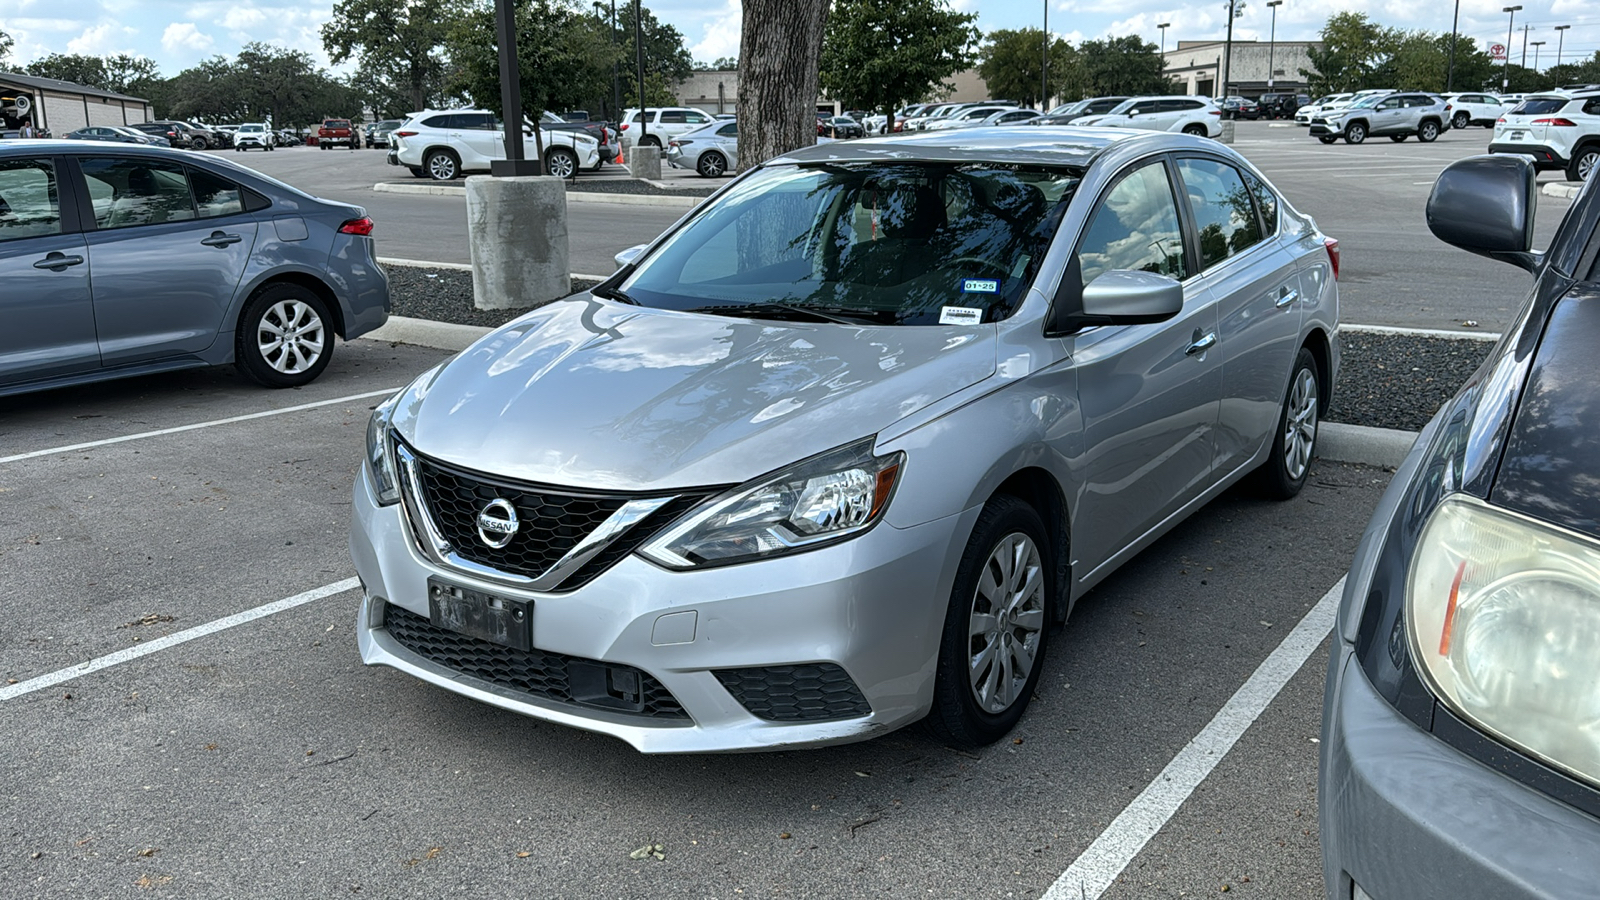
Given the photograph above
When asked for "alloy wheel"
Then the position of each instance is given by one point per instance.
(1300, 425)
(1587, 164)
(442, 167)
(1005, 622)
(562, 164)
(712, 165)
(290, 336)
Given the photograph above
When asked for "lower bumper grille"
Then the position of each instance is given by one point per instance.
(807, 693)
(552, 676)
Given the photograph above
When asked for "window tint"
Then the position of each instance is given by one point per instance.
(1135, 227)
(673, 117)
(1592, 107)
(440, 122)
(215, 196)
(475, 121)
(1224, 217)
(1186, 104)
(29, 203)
(130, 192)
(1539, 106)
(695, 118)
(1266, 202)
(729, 130)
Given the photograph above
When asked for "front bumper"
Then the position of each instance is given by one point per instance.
(1544, 156)
(874, 606)
(1320, 127)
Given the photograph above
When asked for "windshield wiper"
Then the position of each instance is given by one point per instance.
(611, 293)
(836, 315)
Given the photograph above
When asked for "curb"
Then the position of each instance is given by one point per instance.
(1416, 332)
(460, 267)
(1336, 442)
(1566, 190)
(447, 190)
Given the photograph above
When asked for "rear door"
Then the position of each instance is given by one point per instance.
(45, 303)
(167, 251)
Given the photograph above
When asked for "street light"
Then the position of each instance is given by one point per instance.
(1450, 70)
(1536, 46)
(1272, 39)
(1235, 10)
(1163, 27)
(1561, 36)
(1044, 63)
(1505, 76)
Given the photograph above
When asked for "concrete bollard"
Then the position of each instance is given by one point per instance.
(1227, 132)
(645, 162)
(517, 229)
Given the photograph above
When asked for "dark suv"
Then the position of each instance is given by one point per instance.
(182, 134)
(1282, 106)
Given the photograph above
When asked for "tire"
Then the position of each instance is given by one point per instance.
(1398, 138)
(1326, 138)
(270, 148)
(1585, 163)
(651, 141)
(1428, 132)
(712, 164)
(321, 146)
(238, 149)
(1460, 120)
(1355, 133)
(1284, 473)
(260, 349)
(198, 143)
(1196, 130)
(441, 165)
(561, 162)
(978, 709)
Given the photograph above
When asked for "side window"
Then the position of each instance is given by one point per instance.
(695, 118)
(440, 121)
(1592, 108)
(673, 117)
(1135, 227)
(215, 196)
(729, 130)
(131, 192)
(1266, 202)
(1224, 216)
(477, 121)
(30, 205)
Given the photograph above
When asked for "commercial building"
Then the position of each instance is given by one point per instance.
(1257, 67)
(61, 106)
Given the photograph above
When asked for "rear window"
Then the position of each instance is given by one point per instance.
(1539, 106)
(336, 123)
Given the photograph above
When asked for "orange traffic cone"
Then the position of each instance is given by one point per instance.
(618, 160)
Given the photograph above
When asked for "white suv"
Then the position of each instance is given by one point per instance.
(1474, 109)
(1190, 115)
(1559, 130)
(444, 143)
(253, 135)
(662, 125)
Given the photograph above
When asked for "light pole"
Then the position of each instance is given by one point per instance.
(1163, 28)
(1561, 37)
(1227, 48)
(1536, 46)
(515, 164)
(1450, 70)
(1044, 62)
(1272, 39)
(1505, 76)
(638, 56)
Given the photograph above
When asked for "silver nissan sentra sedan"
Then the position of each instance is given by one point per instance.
(838, 451)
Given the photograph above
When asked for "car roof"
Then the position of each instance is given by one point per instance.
(1068, 146)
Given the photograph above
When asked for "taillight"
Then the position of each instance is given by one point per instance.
(1333, 254)
(1558, 122)
(1216, 112)
(405, 134)
(363, 227)
(622, 127)
(1500, 121)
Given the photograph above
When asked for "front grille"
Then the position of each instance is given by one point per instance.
(806, 693)
(540, 673)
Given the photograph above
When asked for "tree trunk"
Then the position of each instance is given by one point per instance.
(780, 49)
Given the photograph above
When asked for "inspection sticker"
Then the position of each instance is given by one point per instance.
(980, 286)
(960, 315)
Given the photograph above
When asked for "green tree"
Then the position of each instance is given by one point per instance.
(1011, 64)
(1582, 72)
(666, 60)
(1356, 54)
(210, 89)
(1123, 65)
(882, 54)
(88, 71)
(5, 49)
(398, 46)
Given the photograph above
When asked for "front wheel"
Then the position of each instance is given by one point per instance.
(1428, 132)
(995, 630)
(561, 162)
(285, 336)
(711, 164)
(1355, 133)
(1196, 130)
(1584, 164)
(652, 141)
(198, 143)
(1284, 473)
(1460, 120)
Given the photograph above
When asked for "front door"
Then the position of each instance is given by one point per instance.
(45, 303)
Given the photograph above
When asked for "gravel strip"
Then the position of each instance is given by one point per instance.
(1387, 381)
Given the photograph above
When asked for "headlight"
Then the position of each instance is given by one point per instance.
(1503, 616)
(820, 500)
(380, 454)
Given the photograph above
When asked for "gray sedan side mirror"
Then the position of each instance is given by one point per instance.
(629, 255)
(1485, 205)
(1117, 297)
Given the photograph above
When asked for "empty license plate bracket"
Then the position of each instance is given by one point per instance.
(480, 614)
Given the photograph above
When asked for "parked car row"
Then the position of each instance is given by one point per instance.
(445, 144)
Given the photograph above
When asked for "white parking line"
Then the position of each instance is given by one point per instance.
(41, 682)
(1098, 868)
(89, 445)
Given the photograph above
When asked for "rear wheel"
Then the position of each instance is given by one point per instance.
(1284, 473)
(442, 165)
(285, 336)
(712, 164)
(1197, 130)
(652, 141)
(995, 630)
(1355, 133)
(1584, 163)
(1460, 120)
(1428, 131)
(561, 162)
(418, 171)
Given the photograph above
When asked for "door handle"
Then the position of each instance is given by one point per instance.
(218, 239)
(57, 262)
(1286, 297)
(1201, 344)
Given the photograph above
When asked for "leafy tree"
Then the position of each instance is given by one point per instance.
(1356, 53)
(1583, 72)
(780, 45)
(882, 54)
(5, 48)
(563, 57)
(88, 71)
(1124, 65)
(1011, 62)
(398, 47)
(666, 59)
(212, 88)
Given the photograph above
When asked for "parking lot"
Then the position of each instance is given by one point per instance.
(187, 715)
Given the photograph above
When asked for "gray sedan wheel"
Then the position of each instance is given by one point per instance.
(711, 164)
(1284, 473)
(284, 337)
(442, 165)
(561, 162)
(996, 627)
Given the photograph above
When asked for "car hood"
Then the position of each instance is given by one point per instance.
(595, 394)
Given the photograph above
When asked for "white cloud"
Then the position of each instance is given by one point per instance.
(100, 40)
(239, 18)
(720, 36)
(184, 36)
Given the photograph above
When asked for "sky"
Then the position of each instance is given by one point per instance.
(179, 33)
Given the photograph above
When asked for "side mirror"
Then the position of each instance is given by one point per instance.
(1132, 113)
(627, 256)
(1117, 297)
(1485, 205)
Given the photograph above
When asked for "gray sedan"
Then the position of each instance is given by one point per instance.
(834, 454)
(712, 150)
(122, 260)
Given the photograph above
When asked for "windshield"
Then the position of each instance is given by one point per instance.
(1367, 102)
(889, 243)
(251, 129)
